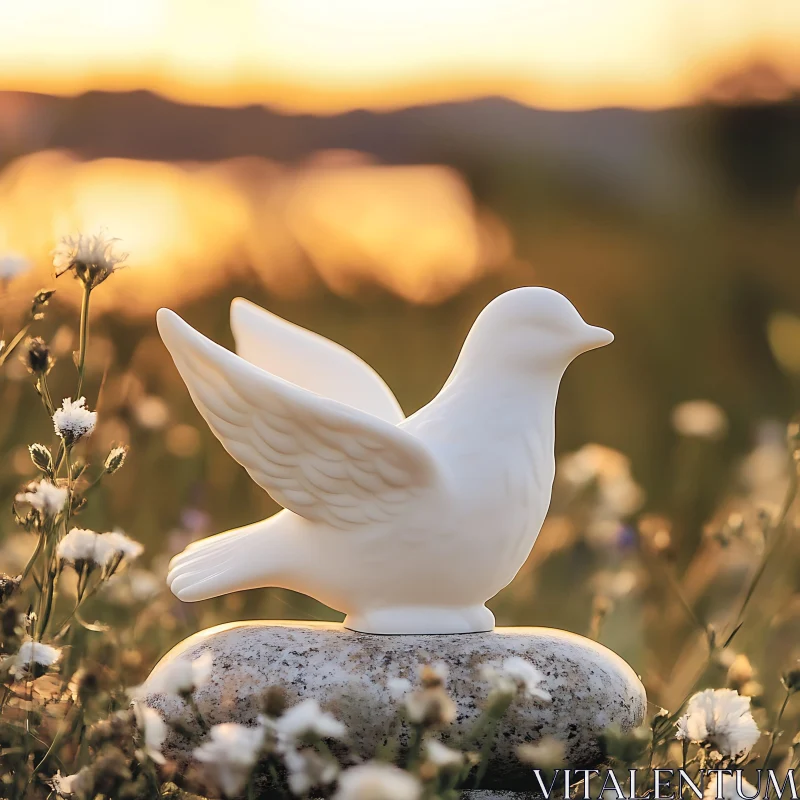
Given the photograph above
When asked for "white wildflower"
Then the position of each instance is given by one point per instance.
(66, 785)
(516, 675)
(307, 769)
(547, 753)
(121, 547)
(133, 587)
(618, 494)
(726, 787)
(377, 781)
(231, 752)
(442, 756)
(92, 258)
(615, 584)
(398, 687)
(178, 676)
(13, 264)
(154, 731)
(73, 420)
(45, 497)
(699, 419)
(33, 658)
(308, 719)
(82, 546)
(722, 718)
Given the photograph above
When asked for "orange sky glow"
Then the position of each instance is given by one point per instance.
(323, 56)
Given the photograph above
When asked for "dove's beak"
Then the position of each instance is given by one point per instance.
(596, 337)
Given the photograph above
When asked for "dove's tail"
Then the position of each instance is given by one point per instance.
(246, 558)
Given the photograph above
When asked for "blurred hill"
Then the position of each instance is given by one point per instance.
(677, 229)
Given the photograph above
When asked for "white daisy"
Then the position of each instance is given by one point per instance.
(13, 264)
(516, 675)
(178, 677)
(307, 768)
(377, 781)
(398, 687)
(45, 497)
(609, 471)
(547, 753)
(122, 546)
(722, 718)
(441, 755)
(231, 752)
(91, 257)
(73, 420)
(34, 657)
(308, 719)
(699, 419)
(82, 546)
(153, 730)
(67, 785)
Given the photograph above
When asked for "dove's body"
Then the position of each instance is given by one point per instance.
(407, 527)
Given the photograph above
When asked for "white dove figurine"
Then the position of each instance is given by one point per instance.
(407, 525)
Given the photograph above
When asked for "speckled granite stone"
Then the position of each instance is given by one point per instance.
(348, 673)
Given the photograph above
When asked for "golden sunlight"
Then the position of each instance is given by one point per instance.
(321, 56)
(414, 231)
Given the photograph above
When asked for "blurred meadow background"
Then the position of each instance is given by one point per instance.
(377, 172)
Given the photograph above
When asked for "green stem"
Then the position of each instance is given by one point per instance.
(46, 396)
(13, 344)
(485, 752)
(776, 728)
(56, 741)
(32, 560)
(780, 528)
(70, 498)
(84, 333)
(82, 594)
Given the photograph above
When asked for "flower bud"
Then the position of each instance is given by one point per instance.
(115, 459)
(791, 680)
(8, 586)
(37, 357)
(42, 458)
(273, 701)
(40, 300)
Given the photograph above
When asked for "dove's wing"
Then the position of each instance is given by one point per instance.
(310, 361)
(317, 457)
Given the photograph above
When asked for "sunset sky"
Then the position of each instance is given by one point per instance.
(325, 56)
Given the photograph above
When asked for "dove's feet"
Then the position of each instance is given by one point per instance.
(422, 619)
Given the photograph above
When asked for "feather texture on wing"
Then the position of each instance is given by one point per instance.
(323, 460)
(310, 361)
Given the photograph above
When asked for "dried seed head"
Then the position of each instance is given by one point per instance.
(42, 458)
(117, 728)
(37, 357)
(273, 701)
(85, 684)
(115, 459)
(91, 258)
(433, 676)
(791, 680)
(111, 771)
(430, 708)
(740, 672)
(40, 300)
(8, 586)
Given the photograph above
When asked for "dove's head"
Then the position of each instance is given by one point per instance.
(533, 329)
